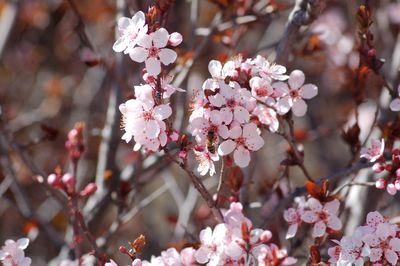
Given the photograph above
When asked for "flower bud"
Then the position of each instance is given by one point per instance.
(175, 39)
(53, 180)
(381, 183)
(391, 189)
(378, 167)
(69, 181)
(89, 190)
(266, 236)
(174, 135)
(397, 184)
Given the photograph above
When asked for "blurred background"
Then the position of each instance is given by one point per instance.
(57, 68)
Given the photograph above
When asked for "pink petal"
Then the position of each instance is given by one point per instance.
(227, 115)
(309, 217)
(299, 107)
(250, 130)
(160, 38)
(376, 254)
(374, 218)
(226, 147)
(235, 132)
(284, 104)
(123, 23)
(167, 56)
(151, 129)
(334, 223)
(202, 255)
(395, 105)
(394, 244)
(280, 88)
(162, 111)
(145, 41)
(217, 100)
(314, 204)
(215, 68)
(319, 229)
(308, 91)
(23, 243)
(223, 131)
(241, 157)
(255, 143)
(138, 19)
(138, 54)
(292, 230)
(120, 45)
(153, 66)
(391, 256)
(241, 114)
(296, 79)
(234, 251)
(332, 207)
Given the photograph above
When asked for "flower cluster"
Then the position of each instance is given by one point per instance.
(233, 242)
(242, 97)
(144, 116)
(374, 154)
(12, 253)
(377, 241)
(323, 217)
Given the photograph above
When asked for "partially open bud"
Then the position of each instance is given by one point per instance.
(53, 180)
(391, 189)
(175, 39)
(381, 183)
(89, 190)
(266, 236)
(69, 182)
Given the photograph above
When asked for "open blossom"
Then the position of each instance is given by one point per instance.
(375, 241)
(267, 116)
(130, 31)
(395, 104)
(206, 161)
(242, 141)
(261, 89)
(293, 217)
(152, 51)
(295, 93)
(374, 152)
(269, 71)
(143, 119)
(322, 216)
(12, 253)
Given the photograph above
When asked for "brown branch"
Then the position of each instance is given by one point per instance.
(303, 14)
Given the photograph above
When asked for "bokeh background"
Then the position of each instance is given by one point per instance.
(57, 67)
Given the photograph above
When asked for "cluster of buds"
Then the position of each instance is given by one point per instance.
(242, 97)
(390, 168)
(74, 143)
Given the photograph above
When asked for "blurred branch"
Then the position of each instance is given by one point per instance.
(7, 20)
(303, 14)
(20, 196)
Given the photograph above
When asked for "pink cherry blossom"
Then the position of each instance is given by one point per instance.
(261, 89)
(206, 161)
(374, 152)
(153, 51)
(293, 217)
(12, 253)
(143, 120)
(130, 31)
(267, 116)
(269, 71)
(242, 141)
(295, 93)
(322, 216)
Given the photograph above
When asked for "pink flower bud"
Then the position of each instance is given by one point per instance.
(69, 182)
(174, 136)
(148, 78)
(391, 189)
(89, 190)
(53, 180)
(381, 183)
(182, 155)
(266, 236)
(378, 167)
(397, 184)
(175, 39)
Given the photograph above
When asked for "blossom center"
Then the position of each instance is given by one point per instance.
(153, 51)
(294, 93)
(261, 92)
(148, 115)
